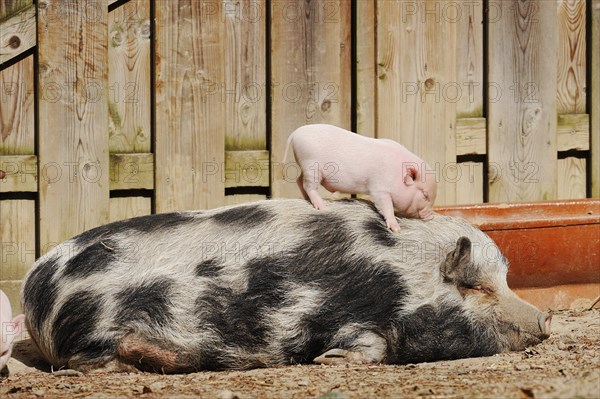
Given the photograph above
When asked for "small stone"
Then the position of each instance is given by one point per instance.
(154, 387)
(522, 367)
(38, 392)
(303, 383)
(227, 394)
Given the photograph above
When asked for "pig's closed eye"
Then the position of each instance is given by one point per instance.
(4, 353)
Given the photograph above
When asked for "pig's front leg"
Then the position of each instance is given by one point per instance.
(383, 203)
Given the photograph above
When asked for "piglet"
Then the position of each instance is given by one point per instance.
(11, 328)
(343, 161)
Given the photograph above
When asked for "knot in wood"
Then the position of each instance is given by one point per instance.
(325, 105)
(117, 38)
(14, 42)
(2, 174)
(144, 30)
(429, 83)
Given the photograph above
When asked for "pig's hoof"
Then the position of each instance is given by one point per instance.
(340, 356)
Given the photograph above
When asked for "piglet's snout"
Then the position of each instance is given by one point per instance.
(544, 321)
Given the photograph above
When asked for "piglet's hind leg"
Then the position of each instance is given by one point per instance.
(310, 187)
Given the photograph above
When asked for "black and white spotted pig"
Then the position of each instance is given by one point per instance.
(272, 283)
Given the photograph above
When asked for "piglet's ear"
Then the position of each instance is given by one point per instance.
(410, 175)
(457, 260)
(18, 322)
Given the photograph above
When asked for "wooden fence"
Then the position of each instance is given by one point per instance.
(111, 109)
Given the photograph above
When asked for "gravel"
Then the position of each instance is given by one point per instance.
(567, 365)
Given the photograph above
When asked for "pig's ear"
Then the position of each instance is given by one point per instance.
(18, 322)
(457, 260)
(410, 175)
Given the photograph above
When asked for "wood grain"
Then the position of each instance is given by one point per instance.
(522, 124)
(310, 58)
(17, 34)
(128, 207)
(17, 238)
(17, 111)
(571, 178)
(470, 183)
(366, 76)
(570, 98)
(414, 104)
(469, 56)
(73, 139)
(11, 7)
(573, 132)
(190, 133)
(20, 173)
(131, 171)
(129, 107)
(246, 169)
(470, 136)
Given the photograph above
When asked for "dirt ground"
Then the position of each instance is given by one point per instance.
(567, 365)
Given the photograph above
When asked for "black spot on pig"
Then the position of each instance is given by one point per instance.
(240, 317)
(358, 291)
(209, 268)
(377, 229)
(40, 292)
(74, 327)
(245, 216)
(95, 258)
(147, 303)
(142, 224)
(441, 333)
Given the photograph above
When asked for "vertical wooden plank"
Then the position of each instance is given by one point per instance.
(570, 95)
(73, 139)
(244, 89)
(469, 57)
(595, 99)
(366, 85)
(470, 189)
(128, 207)
(17, 111)
(416, 56)
(570, 98)
(469, 85)
(10, 7)
(522, 121)
(129, 100)
(17, 238)
(190, 128)
(17, 226)
(571, 178)
(310, 82)
(129, 78)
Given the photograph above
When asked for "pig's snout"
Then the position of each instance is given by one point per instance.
(544, 321)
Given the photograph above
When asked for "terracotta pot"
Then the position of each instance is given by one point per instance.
(553, 248)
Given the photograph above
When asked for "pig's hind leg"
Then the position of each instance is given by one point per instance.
(145, 355)
(309, 182)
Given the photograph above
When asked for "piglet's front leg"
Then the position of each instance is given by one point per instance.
(383, 203)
